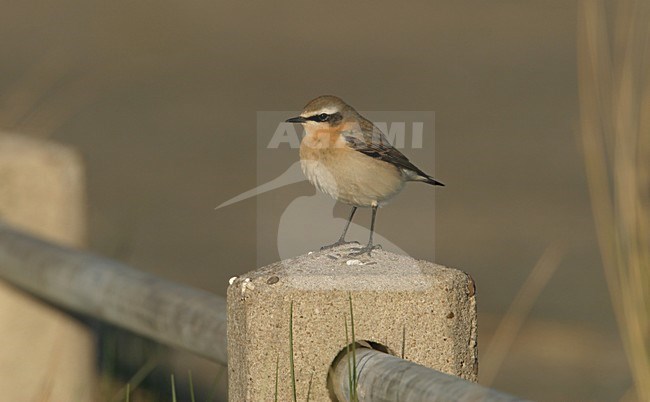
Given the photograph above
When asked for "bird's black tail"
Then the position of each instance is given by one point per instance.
(432, 181)
(418, 175)
(425, 178)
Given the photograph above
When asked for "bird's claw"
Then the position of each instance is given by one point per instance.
(338, 243)
(357, 251)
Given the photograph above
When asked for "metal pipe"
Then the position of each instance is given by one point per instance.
(167, 312)
(385, 378)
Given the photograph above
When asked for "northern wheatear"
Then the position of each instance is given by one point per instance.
(347, 157)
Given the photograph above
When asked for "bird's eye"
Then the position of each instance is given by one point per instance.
(323, 117)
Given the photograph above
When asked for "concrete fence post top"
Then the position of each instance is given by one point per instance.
(418, 310)
(334, 271)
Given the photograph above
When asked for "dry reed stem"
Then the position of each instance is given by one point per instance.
(615, 118)
(512, 321)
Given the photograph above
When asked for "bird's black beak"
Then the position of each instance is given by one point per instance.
(298, 119)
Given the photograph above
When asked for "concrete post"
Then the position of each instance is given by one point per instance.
(45, 354)
(415, 309)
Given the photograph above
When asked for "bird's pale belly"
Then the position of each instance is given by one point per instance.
(350, 176)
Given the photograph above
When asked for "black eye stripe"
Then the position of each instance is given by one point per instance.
(318, 117)
(323, 117)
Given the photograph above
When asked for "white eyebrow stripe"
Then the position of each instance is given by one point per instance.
(326, 110)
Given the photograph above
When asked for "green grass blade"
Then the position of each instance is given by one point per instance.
(293, 371)
(140, 375)
(353, 390)
(173, 390)
(347, 354)
(403, 341)
(311, 378)
(189, 376)
(277, 370)
(214, 387)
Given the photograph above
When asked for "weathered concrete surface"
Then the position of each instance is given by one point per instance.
(424, 309)
(45, 354)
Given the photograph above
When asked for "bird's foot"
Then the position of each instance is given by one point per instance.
(357, 251)
(338, 243)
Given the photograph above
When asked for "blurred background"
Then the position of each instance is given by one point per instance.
(161, 100)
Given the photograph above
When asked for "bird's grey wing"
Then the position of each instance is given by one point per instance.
(369, 140)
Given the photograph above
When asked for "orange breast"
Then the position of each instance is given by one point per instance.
(320, 143)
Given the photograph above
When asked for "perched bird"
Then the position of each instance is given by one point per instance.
(347, 157)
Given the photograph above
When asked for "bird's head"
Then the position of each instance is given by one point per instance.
(323, 112)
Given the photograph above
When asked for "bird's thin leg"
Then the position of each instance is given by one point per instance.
(347, 225)
(369, 247)
(341, 241)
